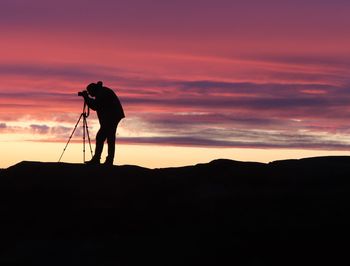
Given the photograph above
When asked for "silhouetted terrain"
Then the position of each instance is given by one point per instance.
(225, 212)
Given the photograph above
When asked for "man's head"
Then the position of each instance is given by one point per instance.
(93, 88)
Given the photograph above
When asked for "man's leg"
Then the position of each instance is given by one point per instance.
(100, 139)
(111, 144)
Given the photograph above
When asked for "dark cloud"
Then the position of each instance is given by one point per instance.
(206, 113)
(39, 129)
(174, 123)
(303, 143)
(60, 130)
(210, 87)
(199, 94)
(210, 96)
(225, 102)
(204, 95)
(207, 95)
(197, 136)
(238, 137)
(57, 133)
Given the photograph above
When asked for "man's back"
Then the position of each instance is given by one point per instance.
(108, 105)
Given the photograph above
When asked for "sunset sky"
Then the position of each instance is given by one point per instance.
(245, 80)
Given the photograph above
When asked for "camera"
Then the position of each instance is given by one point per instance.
(81, 93)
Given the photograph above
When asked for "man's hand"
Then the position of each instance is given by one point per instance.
(85, 94)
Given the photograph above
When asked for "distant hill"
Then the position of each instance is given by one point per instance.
(225, 212)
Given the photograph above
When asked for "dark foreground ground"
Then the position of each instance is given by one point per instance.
(292, 212)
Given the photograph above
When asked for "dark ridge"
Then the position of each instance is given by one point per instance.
(317, 160)
(223, 212)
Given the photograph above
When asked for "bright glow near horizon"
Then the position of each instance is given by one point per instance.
(256, 81)
(147, 155)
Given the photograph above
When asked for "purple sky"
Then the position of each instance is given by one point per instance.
(262, 74)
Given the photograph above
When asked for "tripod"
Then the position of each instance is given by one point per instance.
(85, 114)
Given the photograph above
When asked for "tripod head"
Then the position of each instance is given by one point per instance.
(86, 109)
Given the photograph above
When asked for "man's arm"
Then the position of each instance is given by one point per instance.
(89, 101)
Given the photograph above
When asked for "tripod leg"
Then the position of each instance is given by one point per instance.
(88, 136)
(75, 127)
(84, 126)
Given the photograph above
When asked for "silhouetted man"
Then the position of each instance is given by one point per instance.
(109, 111)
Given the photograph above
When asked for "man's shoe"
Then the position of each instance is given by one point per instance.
(108, 162)
(93, 161)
